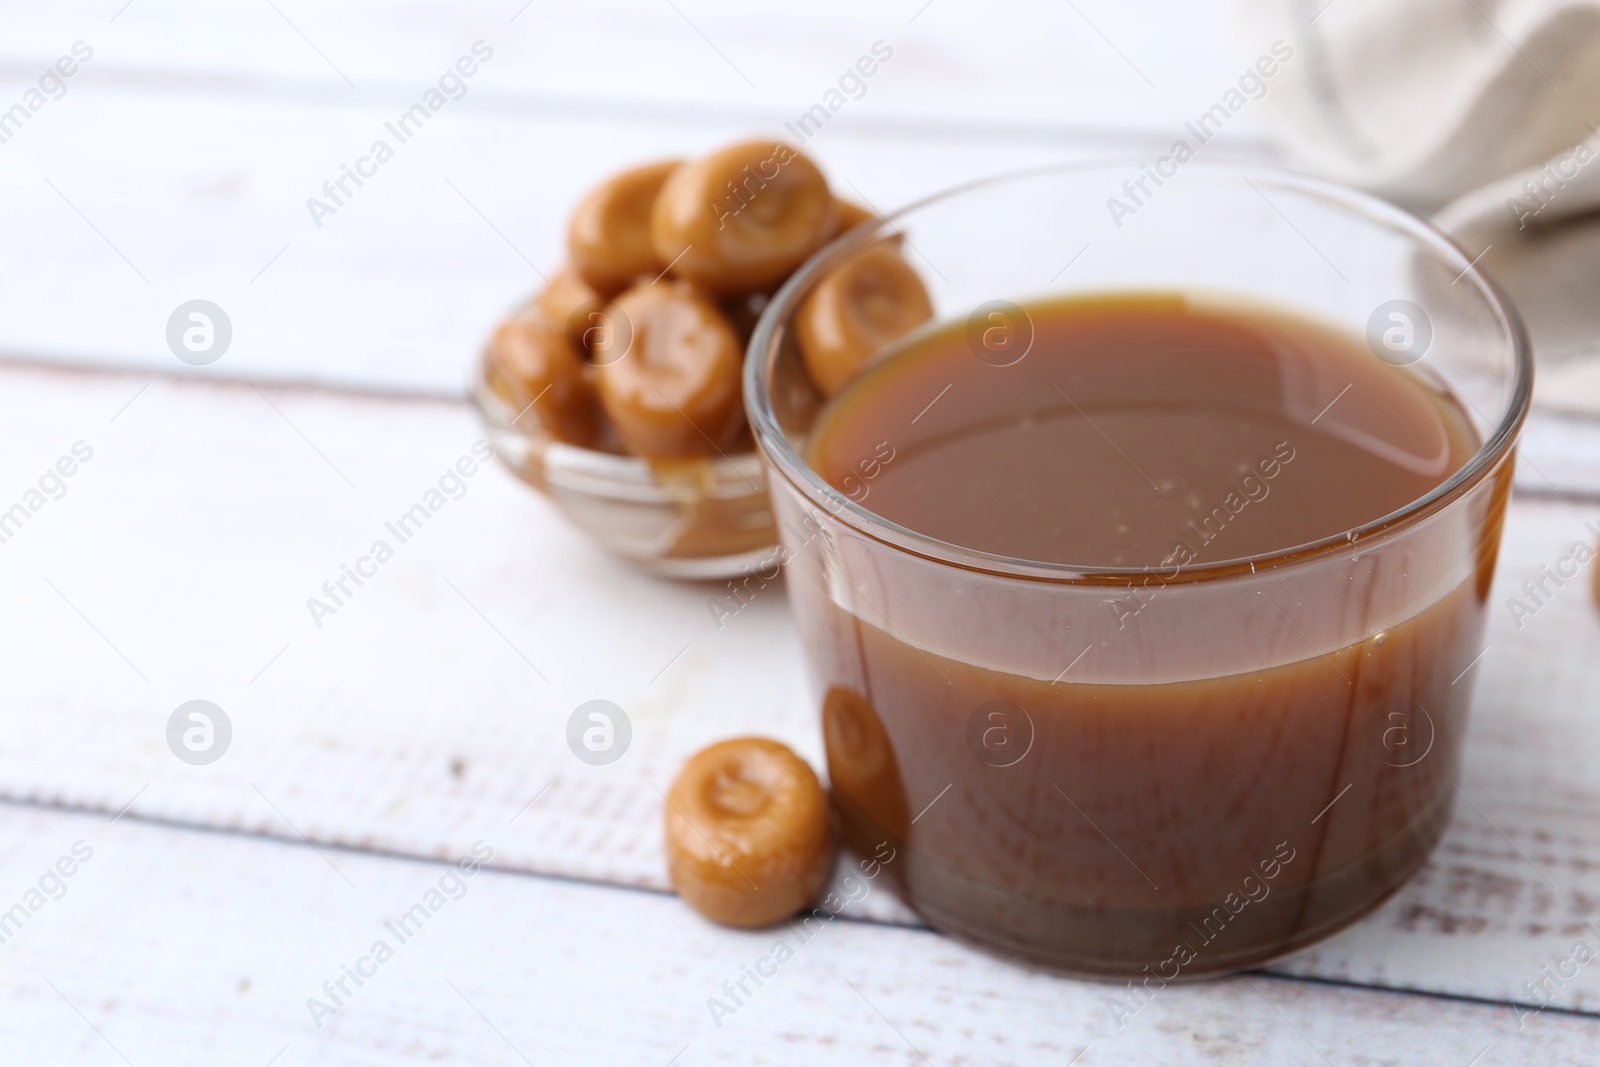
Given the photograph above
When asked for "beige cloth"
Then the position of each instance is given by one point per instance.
(1480, 113)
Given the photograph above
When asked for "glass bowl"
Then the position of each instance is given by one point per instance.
(695, 519)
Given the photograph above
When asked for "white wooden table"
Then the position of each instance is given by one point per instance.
(426, 718)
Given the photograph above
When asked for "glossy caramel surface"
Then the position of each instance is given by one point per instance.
(1136, 424)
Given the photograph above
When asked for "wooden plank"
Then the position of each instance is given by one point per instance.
(399, 287)
(1559, 455)
(434, 702)
(191, 948)
(1013, 62)
(224, 123)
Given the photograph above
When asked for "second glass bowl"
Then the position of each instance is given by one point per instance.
(704, 518)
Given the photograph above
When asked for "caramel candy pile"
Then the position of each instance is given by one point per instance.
(637, 345)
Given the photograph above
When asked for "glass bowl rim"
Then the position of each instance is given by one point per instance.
(774, 445)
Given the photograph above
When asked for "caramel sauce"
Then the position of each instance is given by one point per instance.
(1208, 783)
(1138, 424)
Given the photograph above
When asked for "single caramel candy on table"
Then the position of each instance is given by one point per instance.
(608, 239)
(668, 373)
(530, 364)
(865, 304)
(1595, 580)
(749, 837)
(742, 219)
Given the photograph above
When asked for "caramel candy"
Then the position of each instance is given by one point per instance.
(742, 219)
(743, 312)
(530, 363)
(570, 302)
(851, 214)
(749, 840)
(869, 301)
(608, 238)
(1594, 581)
(668, 372)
